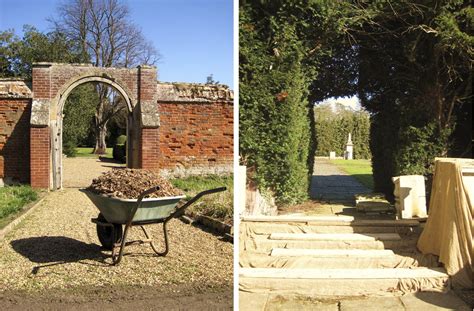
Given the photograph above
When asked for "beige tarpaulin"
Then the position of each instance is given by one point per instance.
(449, 228)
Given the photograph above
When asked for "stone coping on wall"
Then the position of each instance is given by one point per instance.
(15, 88)
(193, 92)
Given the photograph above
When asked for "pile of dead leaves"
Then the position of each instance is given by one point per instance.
(129, 183)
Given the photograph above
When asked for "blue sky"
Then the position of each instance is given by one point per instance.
(193, 36)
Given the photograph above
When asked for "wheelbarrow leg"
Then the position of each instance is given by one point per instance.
(117, 258)
(165, 233)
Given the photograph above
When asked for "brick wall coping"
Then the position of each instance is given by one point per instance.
(49, 64)
(15, 88)
(193, 92)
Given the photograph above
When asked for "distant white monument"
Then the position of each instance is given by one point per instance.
(349, 149)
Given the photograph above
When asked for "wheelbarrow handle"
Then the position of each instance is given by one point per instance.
(139, 202)
(148, 192)
(180, 211)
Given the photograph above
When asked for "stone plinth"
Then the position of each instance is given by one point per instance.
(410, 196)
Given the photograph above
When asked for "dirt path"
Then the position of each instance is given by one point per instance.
(53, 258)
(114, 298)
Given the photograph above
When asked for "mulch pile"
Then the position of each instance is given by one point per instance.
(129, 183)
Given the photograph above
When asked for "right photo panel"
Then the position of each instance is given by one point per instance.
(356, 171)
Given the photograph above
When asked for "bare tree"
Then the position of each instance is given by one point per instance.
(106, 37)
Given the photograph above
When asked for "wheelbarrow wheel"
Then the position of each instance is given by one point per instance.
(108, 235)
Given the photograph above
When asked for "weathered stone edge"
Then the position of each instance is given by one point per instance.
(25, 211)
(211, 223)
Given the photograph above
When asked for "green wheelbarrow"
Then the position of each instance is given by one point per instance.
(116, 212)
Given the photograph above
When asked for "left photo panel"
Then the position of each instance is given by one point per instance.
(116, 154)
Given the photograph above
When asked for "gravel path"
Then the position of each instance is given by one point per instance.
(56, 247)
(329, 183)
(79, 172)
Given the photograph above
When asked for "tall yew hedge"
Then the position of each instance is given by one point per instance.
(274, 113)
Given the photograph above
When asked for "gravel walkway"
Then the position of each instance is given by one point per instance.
(56, 247)
(329, 183)
(79, 172)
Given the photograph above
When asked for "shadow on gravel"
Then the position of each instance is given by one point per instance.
(56, 250)
(109, 160)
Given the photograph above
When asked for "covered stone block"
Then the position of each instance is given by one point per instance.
(410, 196)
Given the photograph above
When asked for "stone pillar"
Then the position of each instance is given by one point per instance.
(150, 121)
(241, 180)
(348, 155)
(39, 126)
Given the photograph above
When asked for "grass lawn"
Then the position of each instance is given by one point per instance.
(86, 152)
(219, 205)
(359, 169)
(12, 200)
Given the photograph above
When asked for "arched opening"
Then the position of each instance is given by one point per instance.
(108, 101)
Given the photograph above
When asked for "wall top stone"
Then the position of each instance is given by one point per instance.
(15, 88)
(193, 92)
(49, 64)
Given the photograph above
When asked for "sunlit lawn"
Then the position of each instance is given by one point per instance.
(219, 205)
(86, 152)
(359, 169)
(12, 200)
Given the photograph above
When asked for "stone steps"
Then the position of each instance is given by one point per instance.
(342, 282)
(320, 261)
(331, 255)
(331, 220)
(268, 228)
(265, 243)
(336, 236)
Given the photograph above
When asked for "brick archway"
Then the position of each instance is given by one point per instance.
(52, 83)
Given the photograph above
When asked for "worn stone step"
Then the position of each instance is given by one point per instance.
(336, 236)
(264, 243)
(333, 253)
(335, 259)
(282, 227)
(298, 259)
(343, 282)
(330, 220)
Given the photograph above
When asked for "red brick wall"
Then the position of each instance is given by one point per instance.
(150, 148)
(39, 147)
(15, 139)
(195, 134)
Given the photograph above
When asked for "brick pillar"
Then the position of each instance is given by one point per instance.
(39, 151)
(150, 150)
(39, 126)
(149, 153)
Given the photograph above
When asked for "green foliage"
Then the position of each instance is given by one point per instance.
(274, 111)
(121, 139)
(419, 147)
(332, 129)
(69, 149)
(17, 55)
(78, 118)
(13, 198)
(415, 78)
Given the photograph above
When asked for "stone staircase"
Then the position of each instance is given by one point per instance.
(334, 256)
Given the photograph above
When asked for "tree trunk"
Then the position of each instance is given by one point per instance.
(100, 145)
(100, 128)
